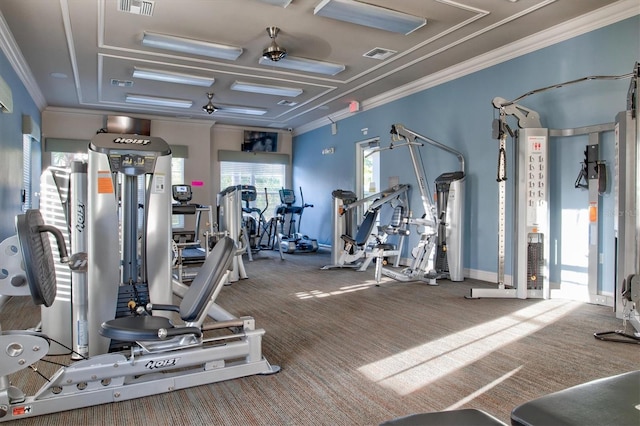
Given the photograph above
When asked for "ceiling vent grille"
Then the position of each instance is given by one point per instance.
(121, 83)
(137, 7)
(379, 53)
(285, 102)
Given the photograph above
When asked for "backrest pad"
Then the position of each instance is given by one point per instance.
(208, 279)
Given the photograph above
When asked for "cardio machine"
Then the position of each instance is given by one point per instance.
(291, 240)
(188, 251)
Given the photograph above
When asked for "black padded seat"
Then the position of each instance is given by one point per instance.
(364, 231)
(463, 417)
(386, 246)
(150, 328)
(609, 401)
(141, 328)
(185, 209)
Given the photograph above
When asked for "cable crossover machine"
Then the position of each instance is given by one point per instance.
(531, 208)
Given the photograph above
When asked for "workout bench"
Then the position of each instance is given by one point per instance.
(611, 401)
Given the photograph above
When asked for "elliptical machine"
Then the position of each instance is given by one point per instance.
(291, 240)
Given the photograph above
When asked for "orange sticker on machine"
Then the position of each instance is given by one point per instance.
(105, 184)
(21, 410)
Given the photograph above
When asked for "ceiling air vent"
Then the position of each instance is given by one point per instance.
(137, 7)
(121, 83)
(287, 103)
(379, 53)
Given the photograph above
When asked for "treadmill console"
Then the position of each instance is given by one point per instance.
(181, 193)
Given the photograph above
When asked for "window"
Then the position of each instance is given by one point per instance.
(367, 170)
(260, 175)
(64, 159)
(26, 172)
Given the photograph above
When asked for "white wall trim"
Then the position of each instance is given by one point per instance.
(14, 56)
(599, 18)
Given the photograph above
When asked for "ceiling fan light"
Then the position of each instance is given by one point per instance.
(274, 52)
(210, 108)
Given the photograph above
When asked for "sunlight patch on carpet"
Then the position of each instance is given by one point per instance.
(417, 367)
(483, 389)
(342, 290)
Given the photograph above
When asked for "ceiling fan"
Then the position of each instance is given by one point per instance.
(274, 52)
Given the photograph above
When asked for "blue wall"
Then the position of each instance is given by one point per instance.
(11, 148)
(459, 114)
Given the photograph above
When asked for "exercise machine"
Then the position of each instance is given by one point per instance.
(189, 252)
(368, 242)
(64, 205)
(129, 228)
(253, 217)
(291, 240)
(230, 222)
(343, 222)
(442, 225)
(161, 356)
(256, 225)
(530, 278)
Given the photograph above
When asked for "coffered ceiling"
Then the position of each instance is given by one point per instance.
(83, 53)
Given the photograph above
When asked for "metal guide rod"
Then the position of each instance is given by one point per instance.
(502, 203)
(403, 131)
(399, 132)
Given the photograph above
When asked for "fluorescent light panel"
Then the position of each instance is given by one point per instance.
(172, 77)
(241, 110)
(190, 46)
(281, 3)
(303, 64)
(369, 15)
(265, 89)
(157, 101)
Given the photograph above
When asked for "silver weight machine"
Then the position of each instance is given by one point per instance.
(231, 223)
(442, 225)
(531, 224)
(129, 222)
(164, 355)
(357, 250)
(64, 205)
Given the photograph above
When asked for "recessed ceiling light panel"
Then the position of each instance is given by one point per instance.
(369, 15)
(306, 65)
(265, 89)
(281, 3)
(234, 109)
(158, 101)
(191, 46)
(172, 77)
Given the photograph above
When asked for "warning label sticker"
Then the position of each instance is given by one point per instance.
(105, 184)
(21, 411)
